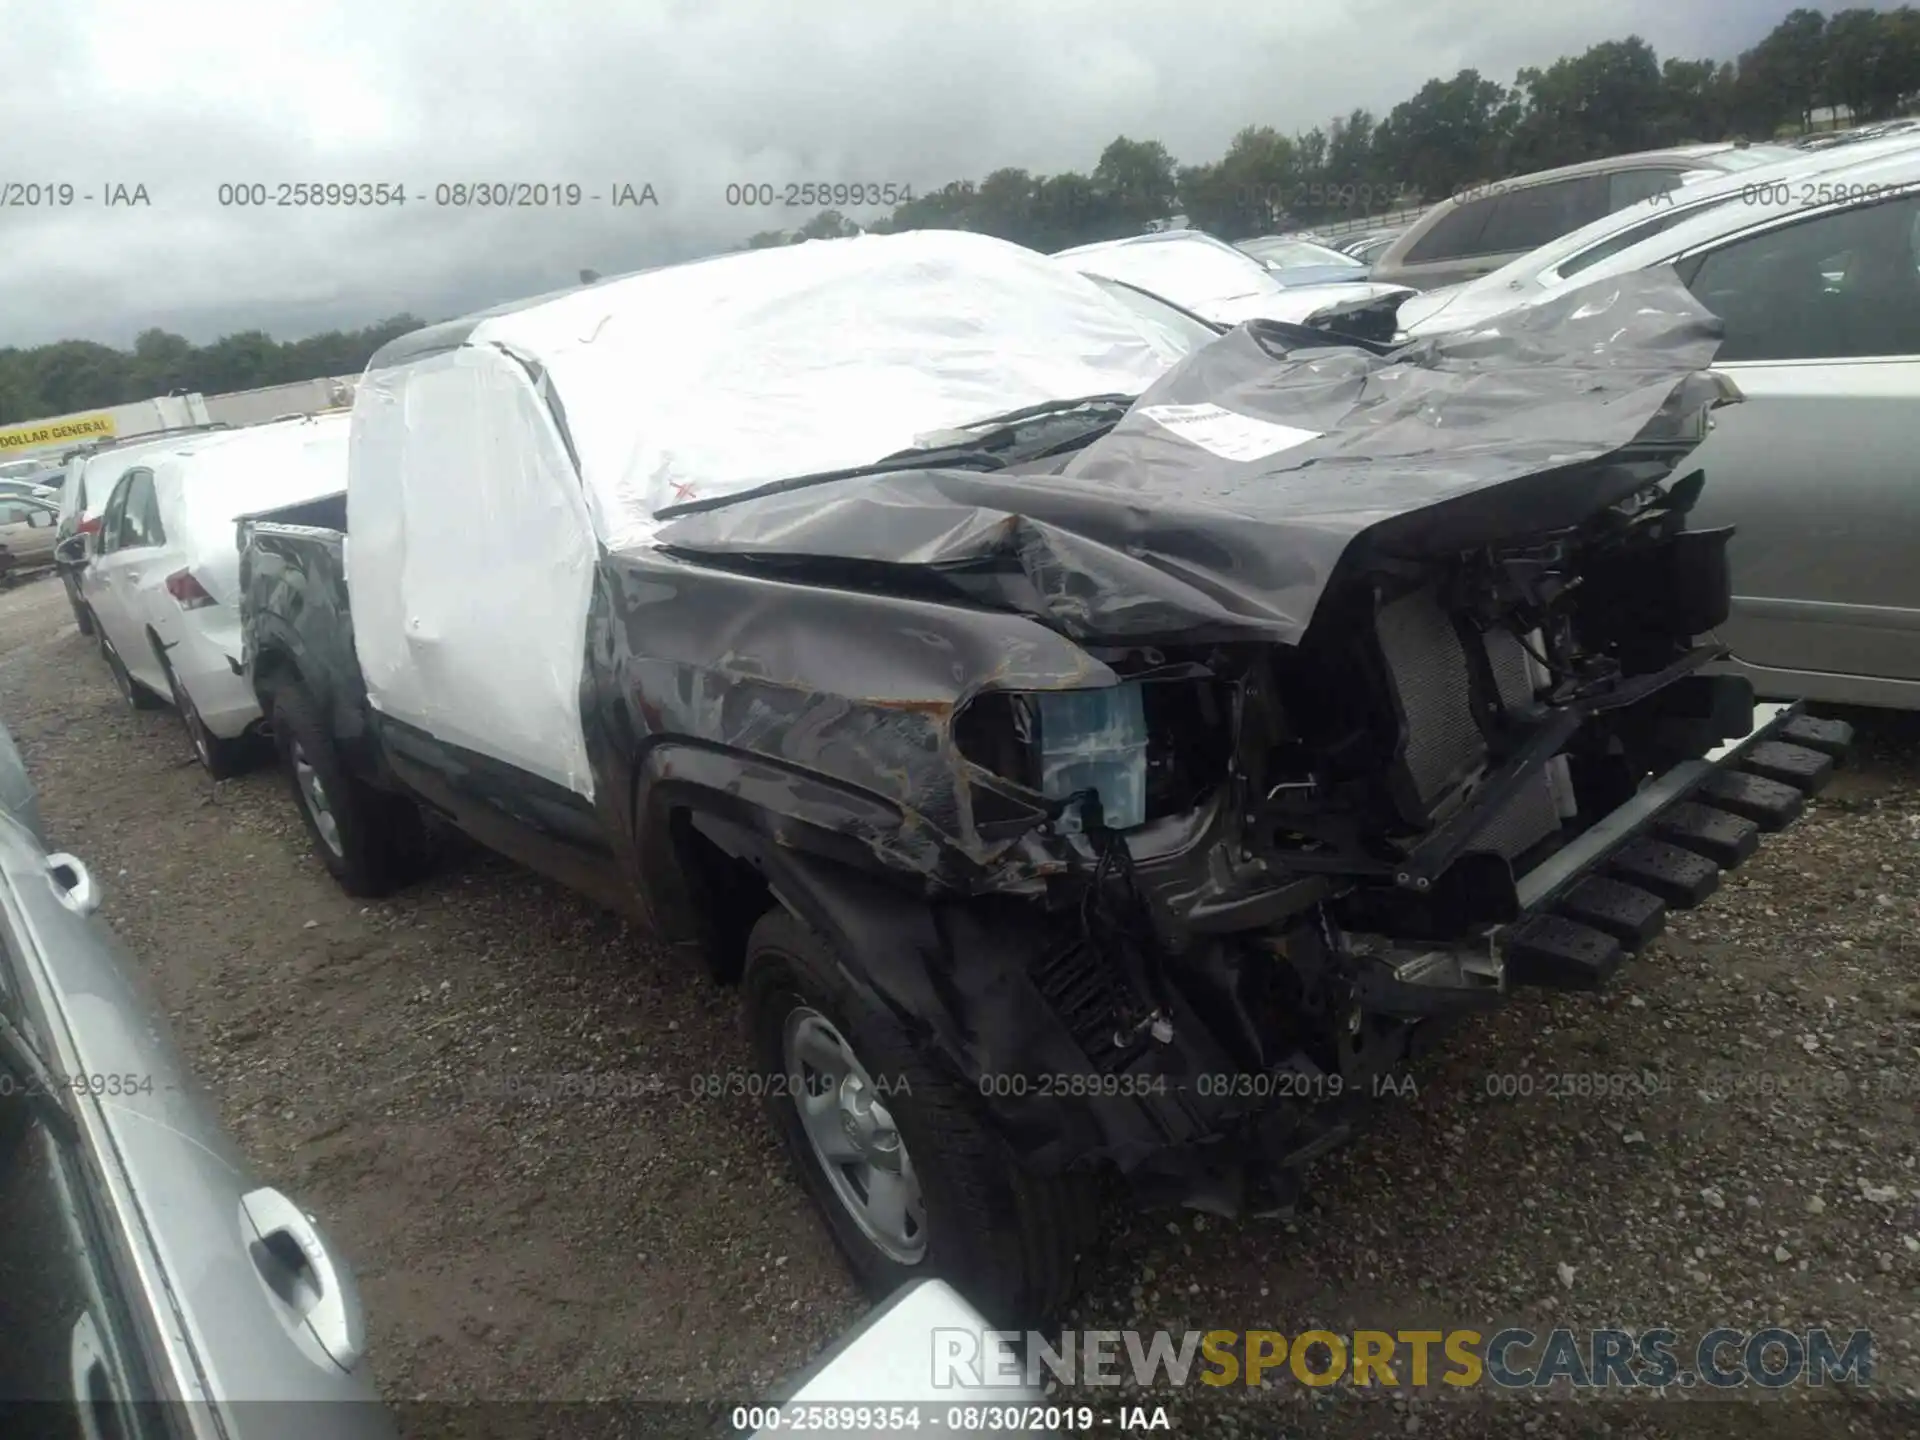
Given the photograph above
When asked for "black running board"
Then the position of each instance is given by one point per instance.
(1607, 893)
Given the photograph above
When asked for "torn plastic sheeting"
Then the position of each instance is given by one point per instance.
(1190, 268)
(1445, 444)
(698, 380)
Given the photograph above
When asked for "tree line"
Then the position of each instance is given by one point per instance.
(71, 375)
(1616, 97)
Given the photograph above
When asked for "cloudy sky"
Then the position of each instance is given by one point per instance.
(686, 95)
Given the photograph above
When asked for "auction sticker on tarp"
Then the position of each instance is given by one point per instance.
(51, 432)
(1227, 433)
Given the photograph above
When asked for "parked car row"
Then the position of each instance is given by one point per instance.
(150, 1284)
(1813, 267)
(1483, 228)
(1036, 682)
(90, 471)
(28, 525)
(1035, 691)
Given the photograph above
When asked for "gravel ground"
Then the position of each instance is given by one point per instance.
(649, 1243)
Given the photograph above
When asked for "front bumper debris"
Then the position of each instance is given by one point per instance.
(1233, 1142)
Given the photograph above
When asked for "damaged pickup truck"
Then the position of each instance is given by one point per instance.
(1089, 761)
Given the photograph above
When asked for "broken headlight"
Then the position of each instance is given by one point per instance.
(1149, 747)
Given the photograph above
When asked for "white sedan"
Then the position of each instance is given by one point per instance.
(163, 582)
(1213, 279)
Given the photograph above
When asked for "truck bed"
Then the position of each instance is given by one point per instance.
(329, 512)
(295, 620)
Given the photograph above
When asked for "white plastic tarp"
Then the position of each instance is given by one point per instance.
(1196, 271)
(473, 539)
(470, 561)
(1213, 279)
(707, 379)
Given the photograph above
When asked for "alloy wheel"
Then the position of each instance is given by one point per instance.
(853, 1136)
(313, 795)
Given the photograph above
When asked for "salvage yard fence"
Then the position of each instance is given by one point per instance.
(1392, 219)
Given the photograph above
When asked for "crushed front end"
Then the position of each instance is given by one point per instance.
(1470, 775)
(1393, 700)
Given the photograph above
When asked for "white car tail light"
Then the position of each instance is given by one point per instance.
(191, 594)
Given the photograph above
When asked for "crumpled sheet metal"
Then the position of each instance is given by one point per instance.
(1441, 445)
(844, 701)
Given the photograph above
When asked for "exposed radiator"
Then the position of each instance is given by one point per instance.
(1429, 669)
(1427, 660)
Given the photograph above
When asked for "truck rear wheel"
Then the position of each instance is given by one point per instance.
(894, 1150)
(372, 842)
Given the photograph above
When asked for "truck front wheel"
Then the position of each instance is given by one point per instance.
(893, 1149)
(371, 841)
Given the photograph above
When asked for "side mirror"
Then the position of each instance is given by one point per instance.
(74, 550)
(39, 519)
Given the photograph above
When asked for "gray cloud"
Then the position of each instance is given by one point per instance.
(686, 96)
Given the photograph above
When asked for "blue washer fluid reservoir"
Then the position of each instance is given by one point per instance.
(1096, 740)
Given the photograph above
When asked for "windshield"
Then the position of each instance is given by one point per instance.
(1632, 235)
(1170, 322)
(1290, 253)
(1193, 273)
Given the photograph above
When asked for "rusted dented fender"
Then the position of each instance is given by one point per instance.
(826, 713)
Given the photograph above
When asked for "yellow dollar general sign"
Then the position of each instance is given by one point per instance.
(52, 432)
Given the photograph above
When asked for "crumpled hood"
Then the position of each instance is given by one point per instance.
(1458, 307)
(1294, 305)
(1247, 478)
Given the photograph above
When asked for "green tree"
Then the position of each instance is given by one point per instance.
(828, 225)
(1139, 180)
(1613, 97)
(1788, 68)
(1693, 102)
(1003, 206)
(1067, 209)
(1871, 60)
(1248, 190)
(1451, 133)
(1605, 101)
(162, 361)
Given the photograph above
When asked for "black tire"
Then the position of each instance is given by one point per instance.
(1012, 1242)
(379, 840)
(220, 758)
(136, 695)
(82, 616)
